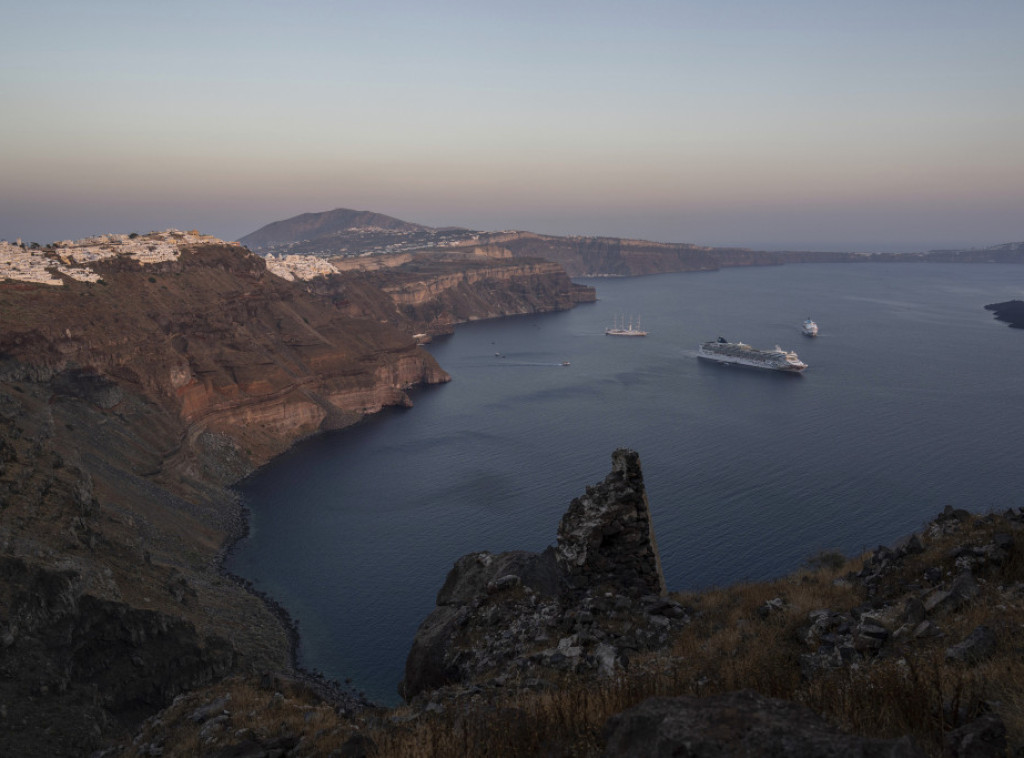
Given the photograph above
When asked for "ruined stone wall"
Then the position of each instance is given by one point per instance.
(606, 537)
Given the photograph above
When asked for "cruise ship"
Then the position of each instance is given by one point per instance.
(745, 355)
(810, 328)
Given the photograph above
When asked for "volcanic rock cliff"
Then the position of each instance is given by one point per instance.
(129, 396)
(613, 256)
(436, 291)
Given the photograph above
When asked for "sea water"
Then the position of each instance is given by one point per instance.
(913, 399)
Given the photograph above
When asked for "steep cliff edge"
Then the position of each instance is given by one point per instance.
(215, 340)
(133, 387)
(436, 291)
(612, 256)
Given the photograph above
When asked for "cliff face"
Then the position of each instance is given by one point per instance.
(431, 293)
(611, 256)
(126, 405)
(479, 288)
(216, 341)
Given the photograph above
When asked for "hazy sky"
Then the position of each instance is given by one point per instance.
(809, 124)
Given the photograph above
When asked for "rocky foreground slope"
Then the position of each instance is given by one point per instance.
(910, 650)
(138, 377)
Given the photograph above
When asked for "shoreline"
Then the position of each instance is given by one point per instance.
(343, 696)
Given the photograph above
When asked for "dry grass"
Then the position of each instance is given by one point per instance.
(255, 713)
(730, 646)
(911, 689)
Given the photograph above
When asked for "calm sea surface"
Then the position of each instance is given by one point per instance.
(914, 399)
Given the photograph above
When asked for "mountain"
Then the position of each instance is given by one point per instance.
(1006, 247)
(348, 233)
(314, 226)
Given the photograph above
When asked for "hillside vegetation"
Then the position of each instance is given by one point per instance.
(920, 642)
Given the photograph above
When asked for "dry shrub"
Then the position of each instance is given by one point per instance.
(921, 696)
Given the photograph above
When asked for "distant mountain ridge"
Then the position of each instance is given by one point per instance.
(307, 226)
(1006, 247)
(347, 233)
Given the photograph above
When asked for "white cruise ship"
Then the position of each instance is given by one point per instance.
(739, 353)
(810, 328)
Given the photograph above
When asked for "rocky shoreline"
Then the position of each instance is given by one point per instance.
(1012, 312)
(330, 690)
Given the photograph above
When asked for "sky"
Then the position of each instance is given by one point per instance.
(774, 124)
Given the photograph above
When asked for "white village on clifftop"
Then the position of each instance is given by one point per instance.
(41, 265)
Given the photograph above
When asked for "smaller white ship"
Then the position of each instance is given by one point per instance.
(620, 329)
(810, 328)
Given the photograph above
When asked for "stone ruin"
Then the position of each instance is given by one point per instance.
(584, 605)
(606, 536)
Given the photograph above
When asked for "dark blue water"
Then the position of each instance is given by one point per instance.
(914, 399)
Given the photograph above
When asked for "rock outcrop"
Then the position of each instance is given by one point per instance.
(98, 662)
(1011, 312)
(584, 606)
(893, 619)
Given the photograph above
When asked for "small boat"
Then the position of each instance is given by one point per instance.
(810, 328)
(566, 363)
(619, 328)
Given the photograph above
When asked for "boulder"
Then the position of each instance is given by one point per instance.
(477, 574)
(985, 737)
(978, 646)
(428, 665)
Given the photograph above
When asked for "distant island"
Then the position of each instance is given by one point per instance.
(1012, 312)
(365, 235)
